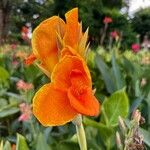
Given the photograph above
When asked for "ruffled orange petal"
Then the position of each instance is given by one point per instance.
(84, 102)
(79, 79)
(62, 71)
(71, 37)
(52, 107)
(44, 41)
(81, 95)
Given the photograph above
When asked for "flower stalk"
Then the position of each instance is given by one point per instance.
(80, 132)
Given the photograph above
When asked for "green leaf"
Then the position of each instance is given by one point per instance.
(4, 75)
(137, 88)
(114, 106)
(146, 135)
(7, 146)
(67, 145)
(105, 132)
(41, 143)
(129, 67)
(135, 104)
(8, 111)
(117, 73)
(21, 143)
(106, 74)
(31, 73)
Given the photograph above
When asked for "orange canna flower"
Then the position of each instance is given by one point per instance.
(53, 34)
(69, 93)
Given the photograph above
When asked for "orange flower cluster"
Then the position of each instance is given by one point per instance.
(61, 48)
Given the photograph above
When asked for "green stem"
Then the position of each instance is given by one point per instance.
(80, 132)
(108, 144)
(32, 128)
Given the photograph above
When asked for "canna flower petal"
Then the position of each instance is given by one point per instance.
(69, 51)
(62, 71)
(44, 41)
(81, 96)
(76, 39)
(71, 37)
(52, 107)
(85, 102)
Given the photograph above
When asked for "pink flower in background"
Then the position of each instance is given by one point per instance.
(135, 47)
(107, 20)
(23, 117)
(13, 46)
(15, 63)
(114, 34)
(26, 112)
(21, 85)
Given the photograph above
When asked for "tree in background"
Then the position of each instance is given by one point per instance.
(91, 13)
(141, 23)
(5, 9)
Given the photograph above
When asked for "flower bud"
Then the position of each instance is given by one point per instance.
(122, 125)
(118, 141)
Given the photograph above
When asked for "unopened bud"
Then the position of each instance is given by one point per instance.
(118, 141)
(136, 116)
(122, 125)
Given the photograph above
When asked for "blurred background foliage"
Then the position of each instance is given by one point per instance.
(122, 85)
(16, 13)
(141, 22)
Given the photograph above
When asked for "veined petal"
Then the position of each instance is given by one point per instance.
(62, 71)
(69, 51)
(44, 41)
(52, 107)
(83, 100)
(81, 95)
(71, 37)
(79, 79)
